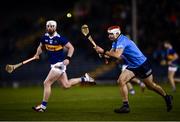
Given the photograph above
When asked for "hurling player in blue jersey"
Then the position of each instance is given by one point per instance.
(171, 59)
(54, 44)
(137, 65)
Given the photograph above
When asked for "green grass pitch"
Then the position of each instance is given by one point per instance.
(92, 103)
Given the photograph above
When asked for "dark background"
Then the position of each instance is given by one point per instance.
(23, 23)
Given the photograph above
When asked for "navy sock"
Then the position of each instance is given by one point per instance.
(82, 79)
(44, 103)
(126, 104)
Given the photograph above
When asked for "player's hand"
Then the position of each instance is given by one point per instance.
(106, 56)
(106, 61)
(99, 49)
(100, 55)
(66, 62)
(169, 62)
(163, 62)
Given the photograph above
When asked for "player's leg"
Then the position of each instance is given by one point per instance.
(63, 79)
(177, 80)
(50, 79)
(171, 79)
(153, 86)
(124, 77)
(171, 73)
(140, 83)
(150, 84)
(130, 88)
(86, 79)
(129, 85)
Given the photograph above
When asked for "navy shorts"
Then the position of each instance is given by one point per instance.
(143, 71)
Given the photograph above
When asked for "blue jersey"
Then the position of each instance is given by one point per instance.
(54, 47)
(132, 56)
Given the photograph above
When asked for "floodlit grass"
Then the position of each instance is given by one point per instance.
(93, 103)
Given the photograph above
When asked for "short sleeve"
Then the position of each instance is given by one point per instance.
(63, 40)
(42, 40)
(120, 44)
(172, 51)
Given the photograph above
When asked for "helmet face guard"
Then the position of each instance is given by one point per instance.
(51, 26)
(51, 23)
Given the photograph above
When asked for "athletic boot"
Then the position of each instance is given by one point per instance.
(89, 80)
(132, 91)
(169, 99)
(123, 109)
(174, 89)
(39, 108)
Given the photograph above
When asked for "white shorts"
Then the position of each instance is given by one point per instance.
(59, 67)
(174, 69)
(124, 67)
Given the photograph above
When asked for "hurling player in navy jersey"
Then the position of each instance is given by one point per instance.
(137, 65)
(171, 59)
(54, 44)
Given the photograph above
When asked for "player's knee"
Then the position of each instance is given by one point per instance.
(151, 86)
(121, 82)
(170, 77)
(47, 84)
(66, 86)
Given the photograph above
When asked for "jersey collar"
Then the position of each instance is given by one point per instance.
(118, 38)
(55, 34)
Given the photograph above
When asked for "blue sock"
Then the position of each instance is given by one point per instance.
(44, 103)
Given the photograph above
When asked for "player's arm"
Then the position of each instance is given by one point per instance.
(70, 52)
(175, 57)
(38, 51)
(112, 53)
(107, 56)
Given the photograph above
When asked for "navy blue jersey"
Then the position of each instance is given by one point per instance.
(170, 56)
(54, 46)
